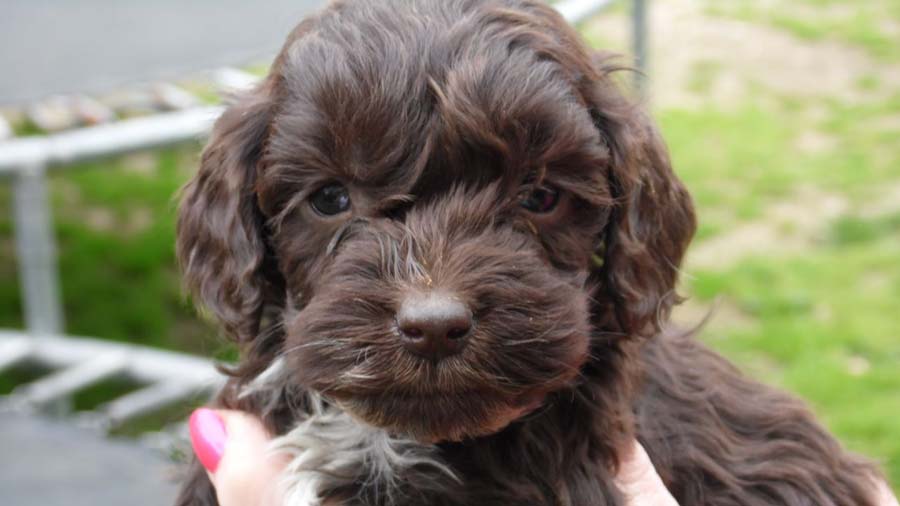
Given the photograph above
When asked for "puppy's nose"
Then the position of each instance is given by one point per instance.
(434, 325)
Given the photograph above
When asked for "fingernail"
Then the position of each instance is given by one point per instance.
(207, 437)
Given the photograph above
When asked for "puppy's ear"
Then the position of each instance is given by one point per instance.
(650, 225)
(220, 239)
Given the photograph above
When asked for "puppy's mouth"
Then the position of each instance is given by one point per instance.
(444, 417)
(477, 392)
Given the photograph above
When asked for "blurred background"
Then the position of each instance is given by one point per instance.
(782, 116)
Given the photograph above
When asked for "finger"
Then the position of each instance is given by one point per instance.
(233, 435)
(208, 437)
(885, 496)
(234, 447)
(639, 481)
(247, 451)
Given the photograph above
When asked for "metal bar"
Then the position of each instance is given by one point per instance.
(68, 381)
(232, 80)
(6, 131)
(106, 140)
(147, 400)
(36, 247)
(576, 11)
(13, 352)
(145, 365)
(639, 44)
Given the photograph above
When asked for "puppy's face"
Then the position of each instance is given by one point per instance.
(449, 321)
(427, 194)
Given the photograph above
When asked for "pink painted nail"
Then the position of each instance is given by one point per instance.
(207, 437)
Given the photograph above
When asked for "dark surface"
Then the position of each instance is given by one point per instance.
(64, 46)
(49, 463)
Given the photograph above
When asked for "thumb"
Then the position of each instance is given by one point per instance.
(233, 446)
(638, 480)
(208, 437)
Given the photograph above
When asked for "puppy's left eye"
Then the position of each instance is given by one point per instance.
(541, 200)
(330, 200)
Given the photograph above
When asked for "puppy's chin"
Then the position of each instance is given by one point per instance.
(441, 418)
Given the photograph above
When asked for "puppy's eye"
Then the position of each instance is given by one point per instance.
(330, 200)
(542, 199)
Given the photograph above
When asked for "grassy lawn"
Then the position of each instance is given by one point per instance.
(795, 170)
(869, 24)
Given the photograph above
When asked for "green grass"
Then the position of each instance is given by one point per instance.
(858, 23)
(702, 76)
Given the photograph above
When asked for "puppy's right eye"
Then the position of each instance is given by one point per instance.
(541, 200)
(330, 200)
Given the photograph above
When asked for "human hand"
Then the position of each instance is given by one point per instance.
(233, 446)
(885, 496)
(640, 483)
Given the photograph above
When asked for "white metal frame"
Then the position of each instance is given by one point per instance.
(79, 362)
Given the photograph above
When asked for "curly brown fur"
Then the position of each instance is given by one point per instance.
(440, 118)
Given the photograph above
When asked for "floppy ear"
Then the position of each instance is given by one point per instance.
(220, 237)
(652, 222)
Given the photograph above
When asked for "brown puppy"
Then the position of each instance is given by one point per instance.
(449, 247)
